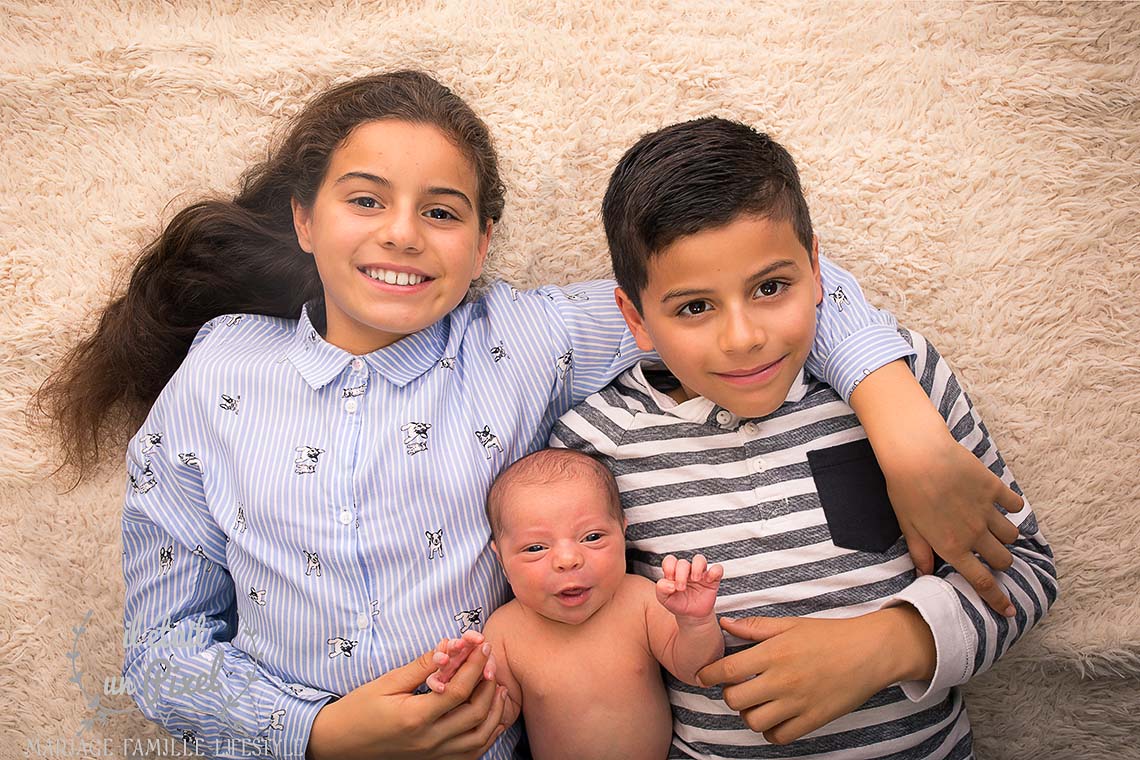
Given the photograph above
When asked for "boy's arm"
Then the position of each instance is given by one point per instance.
(943, 499)
(683, 632)
(968, 634)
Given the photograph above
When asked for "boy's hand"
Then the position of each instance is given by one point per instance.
(800, 678)
(450, 654)
(942, 494)
(689, 589)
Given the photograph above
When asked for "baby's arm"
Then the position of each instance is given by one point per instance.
(450, 654)
(683, 632)
(496, 631)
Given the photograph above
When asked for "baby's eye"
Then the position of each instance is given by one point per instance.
(440, 214)
(770, 288)
(595, 536)
(533, 548)
(693, 308)
(365, 202)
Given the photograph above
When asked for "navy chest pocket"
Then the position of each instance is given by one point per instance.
(853, 494)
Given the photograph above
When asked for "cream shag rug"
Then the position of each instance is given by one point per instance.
(975, 165)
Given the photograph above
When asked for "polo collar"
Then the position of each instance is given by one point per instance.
(319, 361)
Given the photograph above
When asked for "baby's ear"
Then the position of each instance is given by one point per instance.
(495, 549)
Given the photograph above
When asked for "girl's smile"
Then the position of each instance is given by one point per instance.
(395, 233)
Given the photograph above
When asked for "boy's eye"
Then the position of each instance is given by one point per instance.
(693, 308)
(770, 288)
(440, 214)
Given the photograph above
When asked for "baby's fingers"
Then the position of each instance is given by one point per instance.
(669, 566)
(681, 577)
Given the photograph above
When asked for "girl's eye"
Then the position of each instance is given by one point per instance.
(771, 288)
(365, 202)
(693, 308)
(440, 214)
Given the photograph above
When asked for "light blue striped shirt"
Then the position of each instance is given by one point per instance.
(299, 521)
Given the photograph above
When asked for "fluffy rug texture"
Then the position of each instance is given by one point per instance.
(976, 166)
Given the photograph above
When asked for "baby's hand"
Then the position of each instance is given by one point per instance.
(450, 654)
(689, 590)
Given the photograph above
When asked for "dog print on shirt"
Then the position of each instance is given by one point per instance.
(447, 362)
(577, 297)
(165, 558)
(275, 719)
(839, 298)
(305, 461)
(312, 563)
(190, 459)
(340, 646)
(146, 482)
(488, 440)
(355, 391)
(230, 403)
(435, 543)
(415, 436)
(258, 596)
(239, 523)
(564, 363)
(469, 619)
(150, 441)
(498, 353)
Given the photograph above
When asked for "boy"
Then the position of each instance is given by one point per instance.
(579, 646)
(733, 450)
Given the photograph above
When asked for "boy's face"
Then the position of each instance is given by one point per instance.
(731, 312)
(561, 547)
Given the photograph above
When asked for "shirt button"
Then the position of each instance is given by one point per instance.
(750, 428)
(358, 364)
(723, 417)
(363, 621)
(757, 465)
(345, 516)
(350, 406)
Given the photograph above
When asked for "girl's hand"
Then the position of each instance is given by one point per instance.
(450, 654)
(797, 679)
(942, 494)
(689, 590)
(386, 719)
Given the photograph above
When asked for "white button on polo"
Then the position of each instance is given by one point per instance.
(750, 428)
(358, 364)
(723, 417)
(345, 516)
(363, 621)
(350, 405)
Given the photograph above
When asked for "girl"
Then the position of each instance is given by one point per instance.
(304, 515)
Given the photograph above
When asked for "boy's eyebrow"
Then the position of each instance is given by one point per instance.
(695, 292)
(441, 190)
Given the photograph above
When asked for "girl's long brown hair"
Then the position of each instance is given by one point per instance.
(235, 256)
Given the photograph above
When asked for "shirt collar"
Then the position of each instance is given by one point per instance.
(700, 409)
(319, 361)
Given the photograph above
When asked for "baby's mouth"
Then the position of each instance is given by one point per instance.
(573, 594)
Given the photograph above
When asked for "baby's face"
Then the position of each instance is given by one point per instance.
(562, 548)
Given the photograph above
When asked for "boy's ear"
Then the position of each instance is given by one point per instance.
(301, 219)
(481, 253)
(815, 270)
(633, 319)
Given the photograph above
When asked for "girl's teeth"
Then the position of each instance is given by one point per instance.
(394, 278)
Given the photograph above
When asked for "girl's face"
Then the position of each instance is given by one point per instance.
(395, 233)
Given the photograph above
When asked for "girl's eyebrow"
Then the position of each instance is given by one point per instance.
(442, 190)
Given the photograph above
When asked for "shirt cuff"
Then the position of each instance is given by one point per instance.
(954, 637)
(861, 353)
(290, 723)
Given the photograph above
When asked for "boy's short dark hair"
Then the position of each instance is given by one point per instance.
(547, 466)
(690, 177)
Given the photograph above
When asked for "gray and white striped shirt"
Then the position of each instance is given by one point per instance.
(794, 507)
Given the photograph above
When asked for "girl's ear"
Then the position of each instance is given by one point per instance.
(815, 271)
(633, 319)
(301, 219)
(481, 253)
